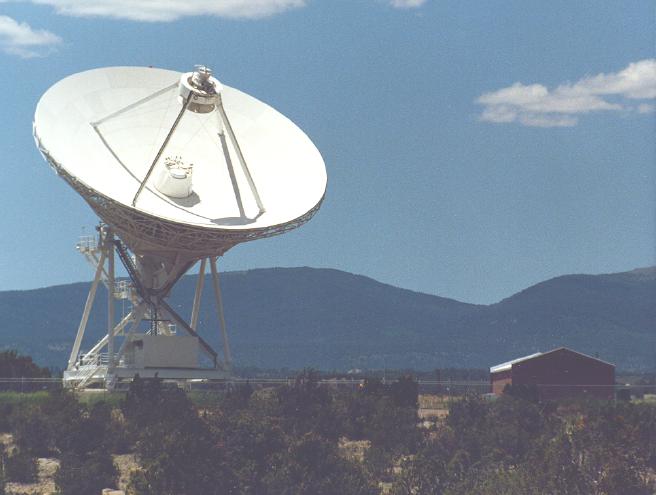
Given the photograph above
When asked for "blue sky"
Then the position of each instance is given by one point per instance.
(472, 148)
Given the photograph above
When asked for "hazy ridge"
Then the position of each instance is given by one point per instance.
(329, 319)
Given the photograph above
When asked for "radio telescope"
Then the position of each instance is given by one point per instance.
(180, 169)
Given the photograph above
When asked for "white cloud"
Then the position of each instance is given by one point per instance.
(18, 38)
(536, 120)
(407, 4)
(536, 105)
(170, 10)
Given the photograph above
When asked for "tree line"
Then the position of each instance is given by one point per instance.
(288, 440)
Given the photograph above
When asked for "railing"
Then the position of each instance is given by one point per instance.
(426, 387)
(87, 243)
(86, 375)
(99, 359)
(122, 289)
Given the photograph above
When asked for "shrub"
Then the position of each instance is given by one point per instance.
(405, 392)
(393, 428)
(138, 483)
(63, 414)
(85, 475)
(6, 410)
(21, 467)
(313, 465)
(2, 470)
(32, 433)
(13, 365)
(175, 447)
(181, 459)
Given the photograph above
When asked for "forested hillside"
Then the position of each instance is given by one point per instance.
(328, 319)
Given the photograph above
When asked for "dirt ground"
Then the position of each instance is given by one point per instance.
(45, 484)
(125, 463)
(48, 466)
(353, 450)
(433, 407)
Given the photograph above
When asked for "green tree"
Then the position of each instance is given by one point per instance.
(181, 458)
(393, 428)
(63, 415)
(312, 466)
(150, 401)
(32, 434)
(615, 443)
(405, 392)
(13, 365)
(308, 407)
(6, 413)
(529, 393)
(250, 441)
(20, 467)
(176, 449)
(3, 482)
(85, 475)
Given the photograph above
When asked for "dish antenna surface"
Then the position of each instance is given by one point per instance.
(179, 168)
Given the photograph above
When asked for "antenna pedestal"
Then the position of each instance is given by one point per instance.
(151, 339)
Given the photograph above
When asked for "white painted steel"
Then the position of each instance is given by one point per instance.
(508, 364)
(101, 130)
(109, 239)
(219, 307)
(117, 331)
(87, 311)
(198, 294)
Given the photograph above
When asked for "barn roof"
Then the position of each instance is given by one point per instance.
(508, 364)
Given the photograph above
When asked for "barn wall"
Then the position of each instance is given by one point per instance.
(564, 373)
(499, 381)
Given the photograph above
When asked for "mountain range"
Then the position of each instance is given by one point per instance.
(333, 320)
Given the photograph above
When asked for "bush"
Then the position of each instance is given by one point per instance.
(85, 475)
(32, 433)
(307, 407)
(175, 447)
(63, 414)
(111, 433)
(21, 467)
(405, 392)
(138, 483)
(2, 470)
(150, 401)
(13, 365)
(180, 459)
(530, 393)
(393, 428)
(6, 411)
(312, 465)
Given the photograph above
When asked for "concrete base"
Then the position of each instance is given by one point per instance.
(93, 377)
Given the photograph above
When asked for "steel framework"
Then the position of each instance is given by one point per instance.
(105, 364)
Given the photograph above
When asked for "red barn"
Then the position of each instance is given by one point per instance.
(557, 374)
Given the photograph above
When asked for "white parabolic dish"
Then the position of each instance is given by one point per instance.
(101, 130)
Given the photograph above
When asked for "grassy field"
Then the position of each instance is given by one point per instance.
(88, 397)
(20, 398)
